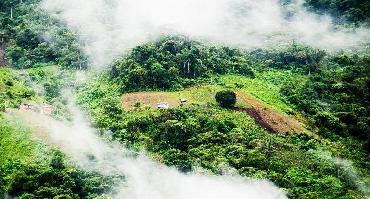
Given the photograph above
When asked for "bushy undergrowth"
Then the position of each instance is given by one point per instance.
(12, 92)
(29, 169)
(214, 139)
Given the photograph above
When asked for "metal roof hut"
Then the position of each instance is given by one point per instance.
(47, 109)
(163, 105)
(29, 106)
(183, 101)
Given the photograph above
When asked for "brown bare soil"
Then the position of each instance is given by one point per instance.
(270, 119)
(149, 98)
(257, 118)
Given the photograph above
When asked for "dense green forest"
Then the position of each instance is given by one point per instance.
(209, 136)
(35, 39)
(335, 95)
(326, 92)
(356, 11)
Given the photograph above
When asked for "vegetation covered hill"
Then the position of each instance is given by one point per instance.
(345, 11)
(28, 167)
(34, 39)
(326, 93)
(203, 134)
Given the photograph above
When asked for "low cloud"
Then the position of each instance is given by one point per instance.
(107, 28)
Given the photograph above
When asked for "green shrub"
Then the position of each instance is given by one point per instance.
(226, 98)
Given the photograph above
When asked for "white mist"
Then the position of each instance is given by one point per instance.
(107, 28)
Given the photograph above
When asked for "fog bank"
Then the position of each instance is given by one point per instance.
(107, 28)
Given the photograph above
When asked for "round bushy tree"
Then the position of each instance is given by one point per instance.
(226, 98)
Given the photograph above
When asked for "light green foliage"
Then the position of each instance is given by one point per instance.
(12, 90)
(29, 169)
(265, 86)
(103, 99)
(16, 146)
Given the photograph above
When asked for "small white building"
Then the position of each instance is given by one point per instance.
(163, 105)
(183, 101)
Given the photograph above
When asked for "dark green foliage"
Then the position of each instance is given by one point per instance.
(295, 56)
(51, 90)
(226, 99)
(175, 62)
(28, 42)
(34, 180)
(337, 100)
(348, 11)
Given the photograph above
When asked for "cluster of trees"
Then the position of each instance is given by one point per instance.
(337, 100)
(333, 95)
(176, 62)
(356, 11)
(56, 179)
(226, 98)
(294, 56)
(35, 39)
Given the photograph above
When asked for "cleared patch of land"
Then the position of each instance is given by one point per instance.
(35, 121)
(270, 119)
(267, 117)
(194, 95)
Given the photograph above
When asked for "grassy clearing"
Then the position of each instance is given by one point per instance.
(261, 93)
(265, 87)
(195, 95)
(17, 143)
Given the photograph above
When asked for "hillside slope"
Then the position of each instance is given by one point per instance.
(203, 134)
(301, 120)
